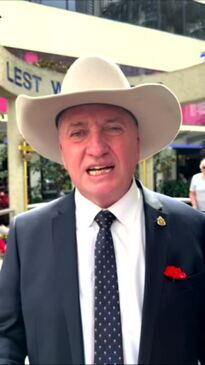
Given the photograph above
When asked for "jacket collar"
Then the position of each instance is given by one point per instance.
(157, 237)
(64, 240)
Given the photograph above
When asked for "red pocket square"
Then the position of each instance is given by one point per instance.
(175, 272)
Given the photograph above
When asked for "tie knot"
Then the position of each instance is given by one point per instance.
(104, 219)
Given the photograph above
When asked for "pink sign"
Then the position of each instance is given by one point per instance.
(3, 105)
(194, 114)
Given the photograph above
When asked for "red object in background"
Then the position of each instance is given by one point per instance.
(194, 114)
(2, 247)
(3, 105)
(30, 57)
(4, 200)
(4, 203)
(174, 272)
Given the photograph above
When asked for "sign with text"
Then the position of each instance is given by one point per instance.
(18, 77)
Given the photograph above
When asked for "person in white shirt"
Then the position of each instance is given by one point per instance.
(112, 273)
(197, 188)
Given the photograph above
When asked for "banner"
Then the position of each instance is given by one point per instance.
(194, 114)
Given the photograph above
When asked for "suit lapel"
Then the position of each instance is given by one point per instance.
(155, 253)
(64, 239)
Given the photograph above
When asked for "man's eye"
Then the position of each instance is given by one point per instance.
(78, 134)
(114, 129)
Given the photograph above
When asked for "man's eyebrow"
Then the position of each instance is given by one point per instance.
(77, 123)
(113, 120)
(121, 120)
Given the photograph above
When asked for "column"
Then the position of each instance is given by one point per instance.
(15, 163)
(146, 173)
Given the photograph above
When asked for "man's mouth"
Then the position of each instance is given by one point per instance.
(99, 170)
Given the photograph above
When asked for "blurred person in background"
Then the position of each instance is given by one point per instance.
(197, 188)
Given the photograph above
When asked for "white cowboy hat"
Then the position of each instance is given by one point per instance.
(99, 80)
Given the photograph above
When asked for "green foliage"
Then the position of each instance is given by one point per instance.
(53, 180)
(3, 156)
(174, 188)
(163, 162)
(2, 136)
(58, 66)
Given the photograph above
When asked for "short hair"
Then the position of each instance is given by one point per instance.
(202, 162)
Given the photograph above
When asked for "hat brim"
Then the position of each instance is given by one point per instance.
(156, 108)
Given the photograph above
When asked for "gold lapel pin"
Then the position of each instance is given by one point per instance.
(161, 221)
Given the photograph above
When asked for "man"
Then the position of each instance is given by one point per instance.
(197, 188)
(112, 273)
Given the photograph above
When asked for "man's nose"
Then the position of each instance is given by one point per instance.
(97, 145)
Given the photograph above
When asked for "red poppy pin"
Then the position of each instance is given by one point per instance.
(175, 273)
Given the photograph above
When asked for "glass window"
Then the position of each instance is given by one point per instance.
(71, 5)
(35, 1)
(56, 3)
(63, 4)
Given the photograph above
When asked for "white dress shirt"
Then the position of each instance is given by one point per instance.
(129, 240)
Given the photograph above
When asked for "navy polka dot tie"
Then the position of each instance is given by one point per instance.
(108, 334)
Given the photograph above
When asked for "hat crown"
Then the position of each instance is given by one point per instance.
(93, 73)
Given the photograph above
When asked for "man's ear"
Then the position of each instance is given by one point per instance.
(138, 148)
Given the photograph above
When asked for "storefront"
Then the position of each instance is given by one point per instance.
(190, 143)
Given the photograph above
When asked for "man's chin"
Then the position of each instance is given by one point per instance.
(102, 198)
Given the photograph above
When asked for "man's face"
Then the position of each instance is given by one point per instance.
(99, 147)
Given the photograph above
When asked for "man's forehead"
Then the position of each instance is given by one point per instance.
(95, 108)
(92, 107)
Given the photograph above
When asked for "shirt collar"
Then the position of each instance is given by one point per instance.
(127, 207)
(85, 210)
(124, 209)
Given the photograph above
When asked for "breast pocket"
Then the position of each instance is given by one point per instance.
(192, 282)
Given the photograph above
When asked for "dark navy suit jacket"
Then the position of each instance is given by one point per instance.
(39, 290)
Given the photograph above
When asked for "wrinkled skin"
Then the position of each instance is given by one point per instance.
(99, 147)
